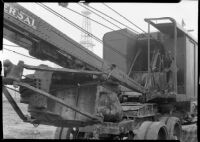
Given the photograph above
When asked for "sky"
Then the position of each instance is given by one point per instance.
(135, 12)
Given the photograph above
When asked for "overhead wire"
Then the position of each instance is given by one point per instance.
(111, 18)
(17, 52)
(141, 35)
(144, 32)
(123, 17)
(89, 18)
(20, 53)
(100, 16)
(78, 27)
(98, 22)
(20, 42)
(67, 20)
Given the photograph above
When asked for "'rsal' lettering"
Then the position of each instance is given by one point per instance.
(27, 20)
(19, 15)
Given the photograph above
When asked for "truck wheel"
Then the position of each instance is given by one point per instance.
(152, 131)
(65, 133)
(173, 126)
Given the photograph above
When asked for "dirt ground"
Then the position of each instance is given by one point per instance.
(15, 128)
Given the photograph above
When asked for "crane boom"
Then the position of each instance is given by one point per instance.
(117, 97)
(31, 32)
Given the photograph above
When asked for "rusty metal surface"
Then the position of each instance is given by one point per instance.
(65, 70)
(167, 28)
(86, 100)
(52, 119)
(14, 104)
(124, 46)
(82, 97)
(42, 80)
(174, 35)
(109, 106)
(139, 110)
(12, 72)
(57, 100)
(122, 127)
(74, 106)
(104, 128)
(189, 133)
(191, 74)
(60, 41)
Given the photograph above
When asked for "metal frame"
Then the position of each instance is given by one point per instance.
(149, 21)
(60, 41)
(57, 100)
(14, 104)
(66, 70)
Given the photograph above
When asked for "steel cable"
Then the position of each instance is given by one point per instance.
(123, 17)
(89, 18)
(112, 18)
(144, 33)
(20, 53)
(102, 18)
(75, 25)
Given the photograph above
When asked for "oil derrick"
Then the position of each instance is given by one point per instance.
(86, 39)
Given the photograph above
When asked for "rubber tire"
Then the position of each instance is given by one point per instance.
(63, 133)
(152, 131)
(172, 122)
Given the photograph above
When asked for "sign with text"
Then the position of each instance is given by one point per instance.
(18, 14)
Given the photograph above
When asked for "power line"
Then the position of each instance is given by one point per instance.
(78, 27)
(129, 22)
(66, 20)
(113, 19)
(99, 16)
(90, 19)
(20, 41)
(99, 22)
(19, 53)
(123, 17)
(11, 45)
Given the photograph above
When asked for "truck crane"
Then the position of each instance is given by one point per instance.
(145, 94)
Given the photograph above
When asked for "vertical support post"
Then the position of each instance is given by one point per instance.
(14, 104)
(76, 103)
(175, 68)
(149, 68)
